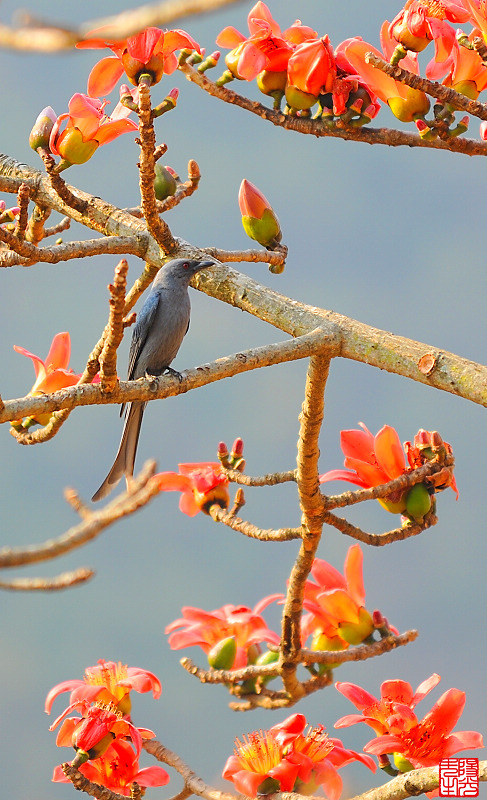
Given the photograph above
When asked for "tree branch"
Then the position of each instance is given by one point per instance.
(316, 127)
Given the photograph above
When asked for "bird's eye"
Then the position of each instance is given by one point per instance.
(186, 265)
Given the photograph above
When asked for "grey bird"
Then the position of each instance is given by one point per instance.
(160, 328)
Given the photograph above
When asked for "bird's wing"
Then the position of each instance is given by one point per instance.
(141, 330)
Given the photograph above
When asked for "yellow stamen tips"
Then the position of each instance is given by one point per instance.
(259, 752)
(106, 674)
(110, 708)
(314, 743)
(435, 8)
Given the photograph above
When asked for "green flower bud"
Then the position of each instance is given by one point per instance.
(418, 502)
(165, 184)
(266, 230)
(222, 655)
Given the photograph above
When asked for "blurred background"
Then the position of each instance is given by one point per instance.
(392, 237)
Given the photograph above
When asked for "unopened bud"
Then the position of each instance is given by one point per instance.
(164, 182)
(40, 133)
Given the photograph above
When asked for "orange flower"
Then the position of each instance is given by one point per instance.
(336, 604)
(87, 127)
(107, 682)
(312, 67)
(93, 733)
(415, 743)
(117, 769)
(290, 757)
(423, 21)
(405, 103)
(267, 48)
(208, 629)
(202, 485)
(51, 374)
(148, 53)
(373, 460)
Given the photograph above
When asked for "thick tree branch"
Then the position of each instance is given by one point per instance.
(316, 127)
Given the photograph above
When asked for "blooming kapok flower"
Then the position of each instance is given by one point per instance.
(107, 682)
(151, 52)
(337, 615)
(51, 374)
(418, 743)
(208, 628)
(423, 21)
(267, 47)
(117, 769)
(87, 127)
(376, 712)
(405, 103)
(258, 218)
(92, 734)
(373, 460)
(311, 68)
(290, 757)
(202, 485)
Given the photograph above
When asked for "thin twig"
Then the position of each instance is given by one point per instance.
(271, 479)
(66, 580)
(378, 539)
(252, 531)
(108, 356)
(23, 196)
(141, 491)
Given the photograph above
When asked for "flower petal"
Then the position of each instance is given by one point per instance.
(104, 76)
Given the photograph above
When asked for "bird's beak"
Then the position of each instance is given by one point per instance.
(204, 264)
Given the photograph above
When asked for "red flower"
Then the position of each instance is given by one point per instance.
(150, 52)
(87, 127)
(107, 682)
(117, 769)
(337, 616)
(405, 103)
(208, 628)
(422, 21)
(92, 734)
(202, 485)
(288, 758)
(312, 67)
(375, 713)
(266, 47)
(374, 460)
(422, 743)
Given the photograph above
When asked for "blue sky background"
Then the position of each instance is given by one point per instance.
(392, 237)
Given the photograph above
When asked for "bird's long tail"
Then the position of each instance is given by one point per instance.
(125, 458)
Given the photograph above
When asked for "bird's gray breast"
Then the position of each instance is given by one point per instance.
(166, 333)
